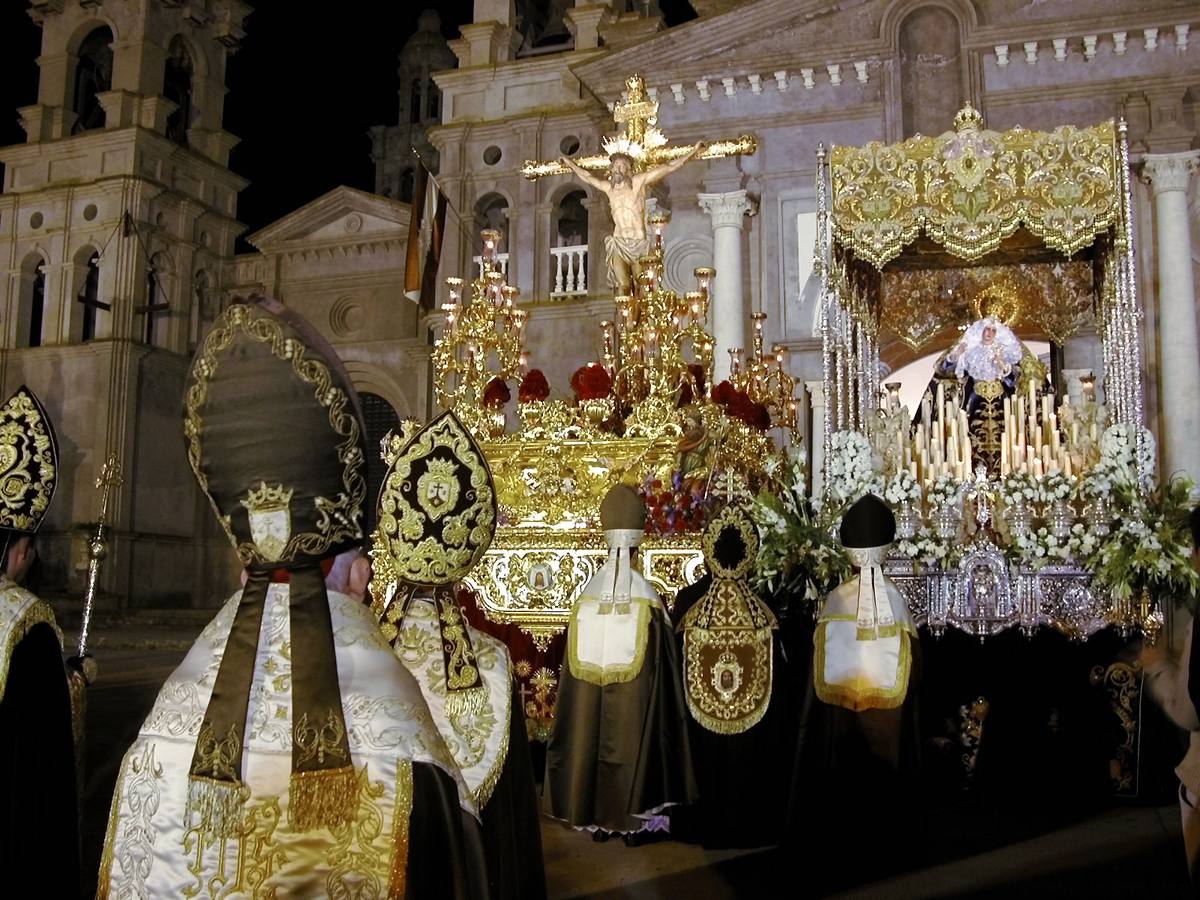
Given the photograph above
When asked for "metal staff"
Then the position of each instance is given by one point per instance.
(110, 477)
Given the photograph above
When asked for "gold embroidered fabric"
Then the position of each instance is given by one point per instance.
(727, 643)
(437, 508)
(272, 515)
(970, 188)
(28, 462)
(20, 610)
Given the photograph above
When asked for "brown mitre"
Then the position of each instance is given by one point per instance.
(623, 509)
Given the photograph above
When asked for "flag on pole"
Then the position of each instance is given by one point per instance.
(425, 231)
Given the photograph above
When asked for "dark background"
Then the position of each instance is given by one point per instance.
(303, 90)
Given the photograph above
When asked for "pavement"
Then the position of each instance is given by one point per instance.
(1120, 850)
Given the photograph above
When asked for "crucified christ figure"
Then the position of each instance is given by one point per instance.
(626, 192)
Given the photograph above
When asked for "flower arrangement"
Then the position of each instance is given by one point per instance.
(591, 382)
(682, 506)
(1041, 547)
(1055, 487)
(1127, 451)
(496, 393)
(1018, 488)
(533, 388)
(927, 548)
(903, 487)
(738, 405)
(945, 489)
(797, 555)
(1149, 549)
(850, 471)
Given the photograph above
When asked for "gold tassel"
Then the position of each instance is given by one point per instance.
(323, 798)
(215, 807)
(467, 702)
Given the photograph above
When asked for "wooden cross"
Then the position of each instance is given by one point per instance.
(638, 115)
(152, 306)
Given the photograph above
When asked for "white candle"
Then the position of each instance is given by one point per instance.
(1003, 459)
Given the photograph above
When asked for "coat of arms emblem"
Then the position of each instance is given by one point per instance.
(437, 489)
(269, 511)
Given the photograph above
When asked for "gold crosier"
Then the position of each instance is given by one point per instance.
(637, 115)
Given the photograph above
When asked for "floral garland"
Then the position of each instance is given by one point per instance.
(1019, 488)
(1056, 486)
(1129, 450)
(1149, 549)
(797, 556)
(903, 487)
(850, 471)
(945, 489)
(928, 549)
(1041, 547)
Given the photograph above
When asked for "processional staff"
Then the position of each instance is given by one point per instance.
(110, 477)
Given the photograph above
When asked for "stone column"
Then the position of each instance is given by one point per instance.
(727, 305)
(816, 435)
(1168, 175)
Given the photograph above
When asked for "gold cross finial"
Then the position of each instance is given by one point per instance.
(110, 477)
(641, 139)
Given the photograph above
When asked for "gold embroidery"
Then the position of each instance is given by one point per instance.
(859, 696)
(612, 673)
(20, 611)
(401, 816)
(28, 466)
(215, 758)
(338, 520)
(361, 865)
(257, 856)
(414, 545)
(135, 845)
(320, 742)
(267, 508)
(461, 668)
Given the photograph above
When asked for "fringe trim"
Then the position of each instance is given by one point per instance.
(323, 798)
(468, 702)
(215, 807)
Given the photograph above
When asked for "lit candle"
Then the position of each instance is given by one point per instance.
(1003, 459)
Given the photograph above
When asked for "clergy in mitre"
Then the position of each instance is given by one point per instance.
(619, 754)
(736, 681)
(290, 754)
(437, 517)
(39, 833)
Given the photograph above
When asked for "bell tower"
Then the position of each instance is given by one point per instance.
(117, 222)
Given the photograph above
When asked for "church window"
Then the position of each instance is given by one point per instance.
(433, 98)
(572, 220)
(93, 77)
(569, 145)
(931, 70)
(491, 211)
(177, 87)
(414, 102)
(406, 185)
(90, 295)
(492, 155)
(31, 310)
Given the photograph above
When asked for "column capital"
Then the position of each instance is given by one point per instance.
(1169, 171)
(727, 209)
(816, 390)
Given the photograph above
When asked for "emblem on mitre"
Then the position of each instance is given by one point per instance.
(437, 489)
(269, 510)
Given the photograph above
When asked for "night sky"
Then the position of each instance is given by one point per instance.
(303, 90)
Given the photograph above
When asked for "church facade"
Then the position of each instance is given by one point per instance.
(119, 213)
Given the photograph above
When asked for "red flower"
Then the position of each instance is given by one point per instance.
(534, 388)
(496, 394)
(723, 393)
(591, 382)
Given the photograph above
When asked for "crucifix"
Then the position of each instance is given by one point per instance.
(153, 304)
(633, 160)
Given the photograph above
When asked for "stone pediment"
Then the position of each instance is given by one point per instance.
(344, 215)
(756, 36)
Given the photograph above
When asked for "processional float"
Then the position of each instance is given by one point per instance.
(1028, 228)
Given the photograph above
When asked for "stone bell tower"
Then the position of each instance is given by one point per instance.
(117, 228)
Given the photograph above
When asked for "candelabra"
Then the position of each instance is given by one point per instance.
(654, 339)
(765, 378)
(483, 338)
